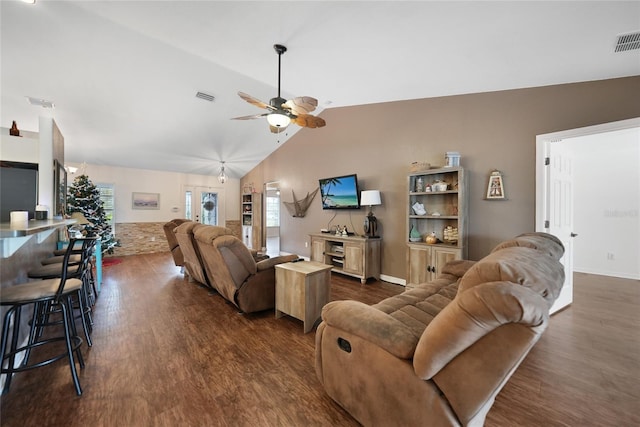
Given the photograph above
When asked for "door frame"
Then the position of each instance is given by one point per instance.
(270, 186)
(543, 148)
(197, 190)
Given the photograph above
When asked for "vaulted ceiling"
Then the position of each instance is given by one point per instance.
(123, 75)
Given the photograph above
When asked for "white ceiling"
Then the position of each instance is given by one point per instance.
(123, 74)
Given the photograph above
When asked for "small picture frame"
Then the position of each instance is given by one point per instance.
(145, 201)
(495, 188)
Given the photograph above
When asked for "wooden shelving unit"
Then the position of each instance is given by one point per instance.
(446, 209)
(251, 209)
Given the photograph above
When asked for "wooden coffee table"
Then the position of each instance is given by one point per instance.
(302, 289)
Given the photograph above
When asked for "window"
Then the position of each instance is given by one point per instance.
(187, 205)
(108, 201)
(273, 211)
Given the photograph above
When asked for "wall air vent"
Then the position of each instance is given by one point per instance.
(627, 42)
(205, 96)
(40, 102)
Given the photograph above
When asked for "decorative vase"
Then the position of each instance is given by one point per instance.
(431, 238)
(414, 235)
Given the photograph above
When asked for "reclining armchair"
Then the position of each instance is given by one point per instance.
(234, 271)
(174, 247)
(439, 353)
(192, 258)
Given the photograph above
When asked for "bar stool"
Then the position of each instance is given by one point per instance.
(44, 296)
(81, 271)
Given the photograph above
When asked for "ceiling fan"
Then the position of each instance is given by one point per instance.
(282, 112)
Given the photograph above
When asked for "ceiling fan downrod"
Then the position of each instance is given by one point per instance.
(280, 49)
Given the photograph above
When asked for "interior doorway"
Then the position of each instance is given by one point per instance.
(554, 191)
(271, 222)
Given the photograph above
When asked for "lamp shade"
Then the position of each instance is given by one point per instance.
(80, 218)
(370, 198)
(278, 120)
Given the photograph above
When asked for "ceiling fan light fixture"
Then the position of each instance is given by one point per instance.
(278, 120)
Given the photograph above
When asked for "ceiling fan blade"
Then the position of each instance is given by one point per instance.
(254, 116)
(309, 121)
(301, 105)
(254, 101)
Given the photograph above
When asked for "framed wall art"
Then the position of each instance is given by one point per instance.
(148, 201)
(59, 189)
(495, 188)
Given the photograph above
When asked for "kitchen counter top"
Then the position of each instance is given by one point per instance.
(26, 228)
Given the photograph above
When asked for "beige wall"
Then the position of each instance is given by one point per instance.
(495, 130)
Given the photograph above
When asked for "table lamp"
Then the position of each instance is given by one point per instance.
(370, 198)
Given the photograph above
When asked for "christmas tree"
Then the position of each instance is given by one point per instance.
(84, 197)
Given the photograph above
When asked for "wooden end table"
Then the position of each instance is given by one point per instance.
(302, 289)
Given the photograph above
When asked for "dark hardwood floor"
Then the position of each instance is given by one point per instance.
(169, 353)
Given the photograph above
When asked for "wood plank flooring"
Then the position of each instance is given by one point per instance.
(170, 353)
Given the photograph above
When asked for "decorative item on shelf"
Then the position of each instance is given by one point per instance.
(419, 185)
(427, 189)
(248, 188)
(298, 208)
(370, 198)
(418, 208)
(344, 231)
(450, 234)
(42, 212)
(431, 238)
(452, 159)
(439, 186)
(14, 131)
(338, 230)
(495, 188)
(419, 166)
(414, 235)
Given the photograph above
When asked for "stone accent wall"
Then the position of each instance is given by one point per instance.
(140, 238)
(235, 226)
(148, 237)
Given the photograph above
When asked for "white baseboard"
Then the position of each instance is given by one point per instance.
(607, 273)
(394, 280)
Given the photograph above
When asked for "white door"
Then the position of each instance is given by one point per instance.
(204, 205)
(561, 213)
(554, 192)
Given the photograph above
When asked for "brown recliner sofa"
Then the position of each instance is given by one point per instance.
(234, 272)
(174, 247)
(439, 353)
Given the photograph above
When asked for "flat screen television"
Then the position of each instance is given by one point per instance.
(340, 192)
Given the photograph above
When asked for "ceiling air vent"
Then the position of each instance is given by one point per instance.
(205, 96)
(627, 42)
(40, 102)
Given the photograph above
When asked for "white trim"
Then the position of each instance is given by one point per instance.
(394, 280)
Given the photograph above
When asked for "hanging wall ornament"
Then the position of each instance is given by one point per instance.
(298, 208)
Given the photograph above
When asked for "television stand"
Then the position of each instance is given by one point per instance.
(350, 255)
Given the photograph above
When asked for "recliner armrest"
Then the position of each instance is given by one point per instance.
(265, 264)
(372, 325)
